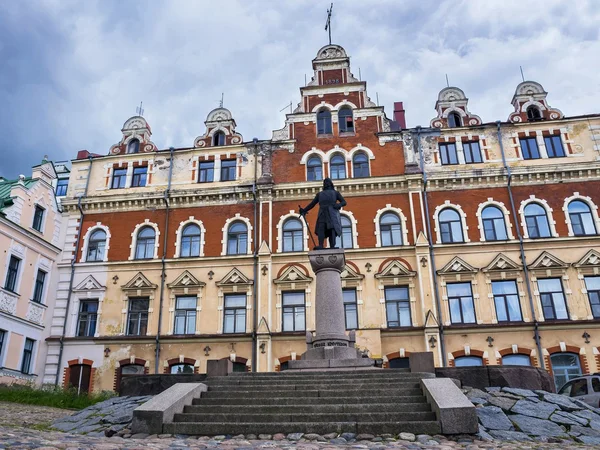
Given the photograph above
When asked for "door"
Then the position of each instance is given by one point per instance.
(79, 377)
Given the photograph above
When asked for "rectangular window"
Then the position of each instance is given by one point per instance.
(206, 172)
(530, 148)
(10, 284)
(119, 178)
(234, 320)
(38, 291)
(228, 170)
(460, 302)
(2, 339)
(139, 176)
(27, 354)
(61, 187)
(137, 316)
(38, 218)
(592, 285)
(294, 311)
(397, 306)
(553, 298)
(448, 154)
(185, 315)
(506, 298)
(554, 147)
(350, 311)
(472, 152)
(88, 317)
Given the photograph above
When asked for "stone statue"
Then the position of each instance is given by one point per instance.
(329, 224)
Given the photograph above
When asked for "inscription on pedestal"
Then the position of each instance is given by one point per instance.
(330, 344)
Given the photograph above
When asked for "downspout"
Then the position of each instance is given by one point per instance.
(436, 291)
(163, 263)
(72, 277)
(255, 265)
(536, 334)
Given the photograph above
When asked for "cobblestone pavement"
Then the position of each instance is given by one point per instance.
(15, 414)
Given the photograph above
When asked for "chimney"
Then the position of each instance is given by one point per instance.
(83, 154)
(399, 115)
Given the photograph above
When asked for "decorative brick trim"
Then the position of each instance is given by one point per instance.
(178, 360)
(472, 352)
(519, 351)
(285, 266)
(388, 260)
(127, 362)
(282, 360)
(585, 368)
(393, 355)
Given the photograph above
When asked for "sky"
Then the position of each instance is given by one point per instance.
(73, 71)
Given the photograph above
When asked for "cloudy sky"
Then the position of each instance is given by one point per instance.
(72, 72)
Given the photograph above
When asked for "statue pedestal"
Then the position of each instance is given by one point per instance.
(331, 347)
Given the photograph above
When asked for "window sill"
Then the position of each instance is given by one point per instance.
(347, 133)
(328, 135)
(40, 304)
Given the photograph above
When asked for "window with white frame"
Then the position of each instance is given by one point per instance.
(145, 242)
(38, 290)
(38, 218)
(324, 126)
(228, 167)
(87, 318)
(294, 311)
(337, 167)
(206, 171)
(494, 224)
(314, 169)
(96, 246)
(137, 316)
(237, 239)
(397, 306)
(506, 300)
(516, 360)
(552, 295)
(190, 241)
(293, 235)
(448, 153)
(234, 316)
(10, 283)
(592, 286)
(451, 228)
(345, 120)
(472, 152)
(460, 302)
(529, 148)
(27, 356)
(390, 229)
(582, 220)
(345, 239)
(360, 164)
(185, 315)
(139, 176)
(536, 219)
(350, 308)
(119, 178)
(554, 146)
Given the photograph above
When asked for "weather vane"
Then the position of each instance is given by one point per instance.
(328, 23)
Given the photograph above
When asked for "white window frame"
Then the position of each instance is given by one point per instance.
(179, 235)
(491, 202)
(279, 238)
(590, 203)
(134, 236)
(544, 204)
(403, 222)
(360, 149)
(463, 221)
(225, 229)
(86, 239)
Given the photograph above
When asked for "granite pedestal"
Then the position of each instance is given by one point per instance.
(330, 347)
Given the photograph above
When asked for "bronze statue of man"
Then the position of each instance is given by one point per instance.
(329, 224)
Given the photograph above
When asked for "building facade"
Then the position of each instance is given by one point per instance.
(30, 245)
(476, 241)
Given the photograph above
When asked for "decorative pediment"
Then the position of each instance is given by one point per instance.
(139, 282)
(590, 259)
(501, 263)
(186, 280)
(457, 266)
(89, 284)
(293, 274)
(547, 261)
(263, 327)
(395, 269)
(430, 320)
(350, 274)
(234, 278)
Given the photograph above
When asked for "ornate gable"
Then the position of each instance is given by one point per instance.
(350, 274)
(219, 120)
(590, 259)
(89, 284)
(430, 320)
(395, 269)
(457, 266)
(501, 263)
(139, 282)
(235, 278)
(186, 280)
(263, 327)
(453, 100)
(532, 94)
(293, 274)
(547, 261)
(135, 127)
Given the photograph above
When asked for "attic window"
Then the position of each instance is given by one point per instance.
(133, 146)
(218, 139)
(533, 114)
(454, 120)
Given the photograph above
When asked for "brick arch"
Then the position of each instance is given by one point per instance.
(388, 260)
(520, 351)
(75, 362)
(281, 361)
(354, 266)
(393, 355)
(173, 361)
(240, 360)
(472, 352)
(127, 362)
(300, 266)
(597, 357)
(585, 368)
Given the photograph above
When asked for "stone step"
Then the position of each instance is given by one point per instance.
(202, 408)
(305, 400)
(216, 428)
(364, 393)
(311, 386)
(304, 380)
(353, 373)
(301, 417)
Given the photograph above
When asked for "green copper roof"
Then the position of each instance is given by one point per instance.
(5, 188)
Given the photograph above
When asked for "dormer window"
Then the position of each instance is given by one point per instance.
(133, 146)
(454, 120)
(345, 120)
(218, 139)
(324, 122)
(533, 114)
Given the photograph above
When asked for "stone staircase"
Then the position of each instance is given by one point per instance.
(368, 401)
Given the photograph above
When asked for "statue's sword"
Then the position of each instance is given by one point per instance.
(308, 227)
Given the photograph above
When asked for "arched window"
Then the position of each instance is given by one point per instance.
(324, 122)
(533, 113)
(190, 240)
(132, 369)
(345, 120)
(516, 360)
(337, 167)
(565, 367)
(133, 146)
(96, 246)
(314, 169)
(536, 220)
(468, 361)
(144, 245)
(494, 226)
(390, 230)
(454, 120)
(451, 229)
(181, 368)
(345, 240)
(218, 139)
(293, 236)
(360, 162)
(237, 239)
(581, 217)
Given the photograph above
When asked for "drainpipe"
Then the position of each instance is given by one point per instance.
(436, 290)
(72, 277)
(255, 265)
(163, 263)
(536, 334)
